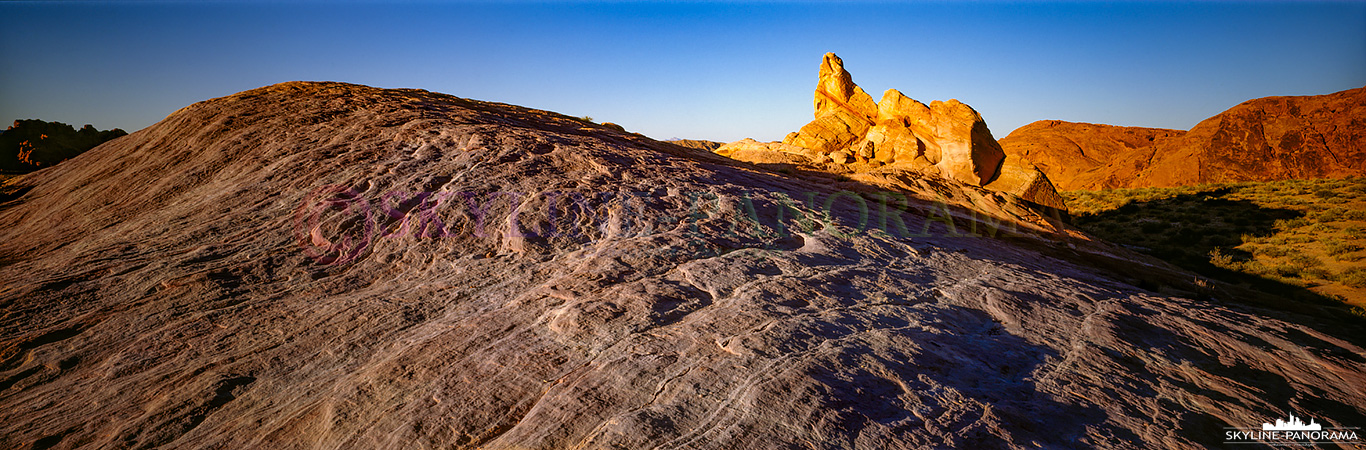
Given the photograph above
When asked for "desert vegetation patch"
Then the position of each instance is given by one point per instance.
(1302, 236)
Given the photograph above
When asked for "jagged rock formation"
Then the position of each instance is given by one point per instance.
(843, 111)
(30, 145)
(947, 139)
(322, 265)
(1272, 138)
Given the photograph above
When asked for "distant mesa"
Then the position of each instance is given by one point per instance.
(1266, 139)
(897, 134)
(29, 145)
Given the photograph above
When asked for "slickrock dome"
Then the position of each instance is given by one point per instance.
(324, 265)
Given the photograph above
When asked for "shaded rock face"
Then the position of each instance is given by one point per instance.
(944, 139)
(322, 265)
(1272, 138)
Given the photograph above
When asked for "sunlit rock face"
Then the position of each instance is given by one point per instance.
(324, 265)
(946, 139)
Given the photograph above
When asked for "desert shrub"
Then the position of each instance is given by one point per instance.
(1321, 228)
(1305, 261)
(1254, 267)
(1319, 273)
(1354, 215)
(1353, 276)
(1359, 311)
(1219, 259)
(1335, 247)
(1355, 232)
(1290, 224)
(1325, 193)
(1284, 270)
(1350, 257)
(1330, 215)
(1273, 251)
(1300, 239)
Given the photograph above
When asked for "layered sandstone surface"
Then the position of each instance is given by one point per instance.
(322, 265)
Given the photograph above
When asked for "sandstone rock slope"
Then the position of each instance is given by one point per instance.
(322, 265)
(1272, 138)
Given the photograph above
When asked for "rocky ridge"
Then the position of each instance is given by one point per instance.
(1265, 139)
(853, 134)
(29, 145)
(323, 265)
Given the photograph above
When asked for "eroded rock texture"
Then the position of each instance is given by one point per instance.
(321, 265)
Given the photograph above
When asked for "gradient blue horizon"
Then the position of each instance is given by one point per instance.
(718, 71)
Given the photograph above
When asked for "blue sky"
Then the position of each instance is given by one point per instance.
(705, 70)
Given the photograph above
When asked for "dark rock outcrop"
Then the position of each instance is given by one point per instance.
(29, 145)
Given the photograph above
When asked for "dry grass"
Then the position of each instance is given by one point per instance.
(1309, 234)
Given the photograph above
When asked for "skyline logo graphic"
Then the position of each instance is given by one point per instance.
(1292, 432)
(1294, 424)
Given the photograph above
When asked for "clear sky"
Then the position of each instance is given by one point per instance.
(720, 71)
